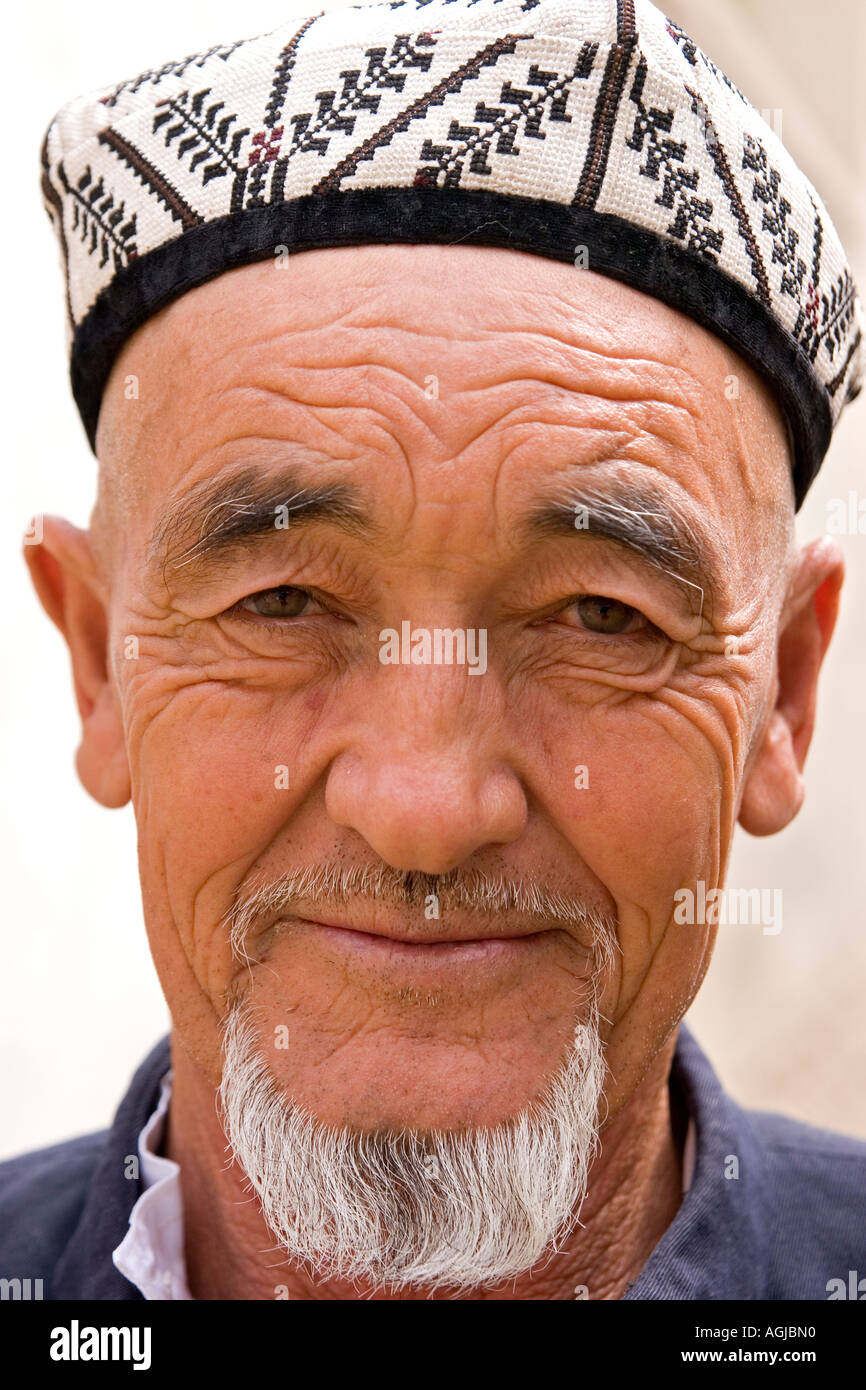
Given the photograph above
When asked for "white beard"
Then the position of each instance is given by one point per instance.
(435, 1210)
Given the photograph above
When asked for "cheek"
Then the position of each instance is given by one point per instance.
(215, 779)
(638, 788)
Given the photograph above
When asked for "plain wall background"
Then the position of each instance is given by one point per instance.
(781, 1016)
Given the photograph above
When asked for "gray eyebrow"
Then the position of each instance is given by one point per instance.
(645, 521)
(217, 516)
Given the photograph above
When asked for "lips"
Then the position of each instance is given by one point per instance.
(398, 934)
(424, 947)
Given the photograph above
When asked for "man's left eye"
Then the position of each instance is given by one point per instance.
(283, 602)
(606, 616)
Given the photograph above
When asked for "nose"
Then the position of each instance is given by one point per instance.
(423, 781)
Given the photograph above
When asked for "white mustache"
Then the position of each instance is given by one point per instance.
(470, 890)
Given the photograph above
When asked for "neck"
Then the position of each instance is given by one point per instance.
(634, 1193)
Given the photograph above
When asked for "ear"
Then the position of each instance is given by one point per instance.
(774, 789)
(71, 591)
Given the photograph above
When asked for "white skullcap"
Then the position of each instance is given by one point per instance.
(591, 131)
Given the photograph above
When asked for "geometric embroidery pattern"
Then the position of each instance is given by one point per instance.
(664, 159)
(100, 219)
(495, 127)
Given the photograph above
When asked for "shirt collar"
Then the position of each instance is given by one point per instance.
(85, 1269)
(718, 1243)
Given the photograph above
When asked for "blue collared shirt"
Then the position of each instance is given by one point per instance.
(776, 1209)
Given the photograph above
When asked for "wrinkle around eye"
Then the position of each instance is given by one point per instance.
(638, 668)
(674, 609)
(315, 562)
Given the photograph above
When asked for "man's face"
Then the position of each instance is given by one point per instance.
(296, 463)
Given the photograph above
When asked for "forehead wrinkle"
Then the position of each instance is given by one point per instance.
(584, 335)
(589, 438)
(539, 338)
(707, 430)
(362, 320)
(600, 436)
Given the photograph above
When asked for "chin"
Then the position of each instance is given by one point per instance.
(388, 1078)
(400, 1203)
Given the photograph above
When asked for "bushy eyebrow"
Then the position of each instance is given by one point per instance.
(218, 516)
(644, 520)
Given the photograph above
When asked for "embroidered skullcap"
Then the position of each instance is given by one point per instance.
(591, 131)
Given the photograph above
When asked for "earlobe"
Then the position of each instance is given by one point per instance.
(69, 588)
(101, 760)
(774, 789)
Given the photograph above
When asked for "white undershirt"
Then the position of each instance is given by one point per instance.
(151, 1254)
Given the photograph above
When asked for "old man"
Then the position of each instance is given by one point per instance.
(405, 334)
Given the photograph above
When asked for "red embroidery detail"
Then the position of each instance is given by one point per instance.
(267, 145)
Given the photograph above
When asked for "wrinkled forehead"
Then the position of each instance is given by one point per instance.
(447, 368)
